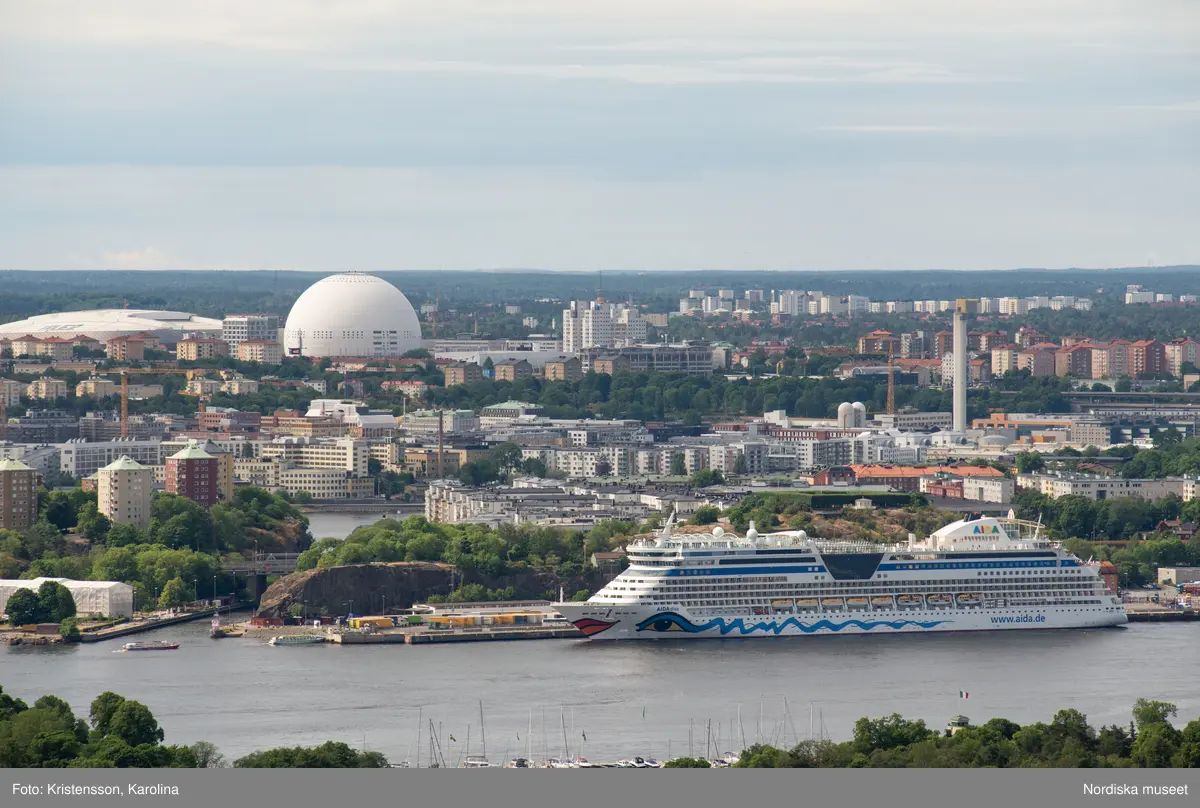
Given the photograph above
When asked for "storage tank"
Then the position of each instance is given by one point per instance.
(845, 415)
(860, 414)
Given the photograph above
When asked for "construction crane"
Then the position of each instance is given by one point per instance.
(4, 417)
(125, 372)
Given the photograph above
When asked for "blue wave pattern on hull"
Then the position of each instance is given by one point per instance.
(669, 621)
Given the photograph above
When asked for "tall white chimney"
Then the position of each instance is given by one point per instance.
(960, 372)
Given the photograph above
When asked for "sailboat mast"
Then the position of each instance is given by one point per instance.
(482, 731)
(420, 711)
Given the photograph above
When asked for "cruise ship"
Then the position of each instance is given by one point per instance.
(976, 574)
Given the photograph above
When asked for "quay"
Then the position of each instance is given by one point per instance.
(1162, 615)
(127, 629)
(410, 637)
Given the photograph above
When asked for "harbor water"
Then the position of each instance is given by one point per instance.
(637, 698)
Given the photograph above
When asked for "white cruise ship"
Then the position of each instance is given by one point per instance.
(977, 574)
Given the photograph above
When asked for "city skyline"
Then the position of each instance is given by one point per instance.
(644, 136)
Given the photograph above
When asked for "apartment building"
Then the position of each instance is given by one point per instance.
(193, 473)
(597, 324)
(196, 348)
(81, 459)
(124, 489)
(462, 373)
(239, 328)
(47, 389)
(1097, 488)
(348, 454)
(263, 351)
(512, 370)
(1147, 357)
(561, 370)
(18, 495)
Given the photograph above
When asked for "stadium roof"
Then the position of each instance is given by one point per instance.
(104, 324)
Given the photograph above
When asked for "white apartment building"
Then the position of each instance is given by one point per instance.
(1096, 488)
(239, 328)
(81, 459)
(124, 490)
(597, 324)
(425, 422)
(347, 454)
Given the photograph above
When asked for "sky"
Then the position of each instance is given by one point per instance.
(580, 135)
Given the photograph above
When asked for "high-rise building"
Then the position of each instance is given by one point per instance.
(124, 488)
(194, 473)
(597, 324)
(18, 495)
(237, 328)
(263, 351)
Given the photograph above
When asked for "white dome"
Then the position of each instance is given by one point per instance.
(354, 315)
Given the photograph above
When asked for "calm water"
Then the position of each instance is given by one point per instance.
(243, 694)
(327, 525)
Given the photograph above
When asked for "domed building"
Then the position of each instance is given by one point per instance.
(352, 315)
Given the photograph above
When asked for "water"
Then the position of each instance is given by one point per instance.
(242, 694)
(329, 524)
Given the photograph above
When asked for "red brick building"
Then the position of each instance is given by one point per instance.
(193, 473)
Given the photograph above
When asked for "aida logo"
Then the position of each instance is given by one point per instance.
(986, 529)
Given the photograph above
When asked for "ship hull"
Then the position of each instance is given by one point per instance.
(602, 622)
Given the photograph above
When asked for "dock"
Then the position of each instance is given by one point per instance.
(1162, 615)
(419, 637)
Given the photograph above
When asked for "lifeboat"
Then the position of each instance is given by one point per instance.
(785, 606)
(806, 603)
(832, 604)
(856, 603)
(882, 602)
(969, 599)
(940, 600)
(910, 601)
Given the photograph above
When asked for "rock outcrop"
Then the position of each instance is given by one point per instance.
(397, 585)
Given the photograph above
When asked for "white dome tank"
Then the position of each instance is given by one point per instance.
(860, 414)
(845, 415)
(352, 315)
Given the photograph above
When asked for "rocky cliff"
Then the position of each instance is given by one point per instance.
(399, 585)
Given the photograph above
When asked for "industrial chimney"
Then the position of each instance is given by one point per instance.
(960, 372)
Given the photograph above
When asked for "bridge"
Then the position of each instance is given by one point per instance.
(263, 564)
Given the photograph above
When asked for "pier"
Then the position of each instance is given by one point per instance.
(423, 637)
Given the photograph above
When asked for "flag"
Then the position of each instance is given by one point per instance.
(584, 735)
(518, 736)
(452, 738)
(962, 694)
(643, 711)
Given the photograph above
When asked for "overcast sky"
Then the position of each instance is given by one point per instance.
(599, 134)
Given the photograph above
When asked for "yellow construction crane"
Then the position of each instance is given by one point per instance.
(125, 372)
(891, 399)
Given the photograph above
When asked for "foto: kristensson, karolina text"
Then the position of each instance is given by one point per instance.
(75, 790)
(1110, 789)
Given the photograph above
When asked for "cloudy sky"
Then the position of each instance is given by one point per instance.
(599, 134)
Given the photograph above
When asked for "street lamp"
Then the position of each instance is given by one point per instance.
(215, 594)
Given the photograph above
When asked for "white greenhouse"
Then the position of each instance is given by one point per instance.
(107, 598)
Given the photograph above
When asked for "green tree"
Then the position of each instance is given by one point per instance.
(102, 709)
(69, 629)
(92, 524)
(1148, 713)
(302, 497)
(739, 464)
(705, 515)
(706, 477)
(687, 763)
(55, 602)
(329, 755)
(10, 706)
(174, 594)
(1155, 746)
(208, 756)
(134, 724)
(678, 465)
(24, 607)
(1029, 462)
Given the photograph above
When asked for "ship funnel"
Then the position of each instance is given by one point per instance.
(752, 533)
(912, 540)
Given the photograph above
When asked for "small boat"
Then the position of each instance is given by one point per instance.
(152, 645)
(856, 603)
(940, 600)
(557, 763)
(517, 763)
(806, 603)
(216, 632)
(882, 602)
(581, 763)
(296, 639)
(476, 762)
(782, 606)
(832, 604)
(910, 601)
(969, 599)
